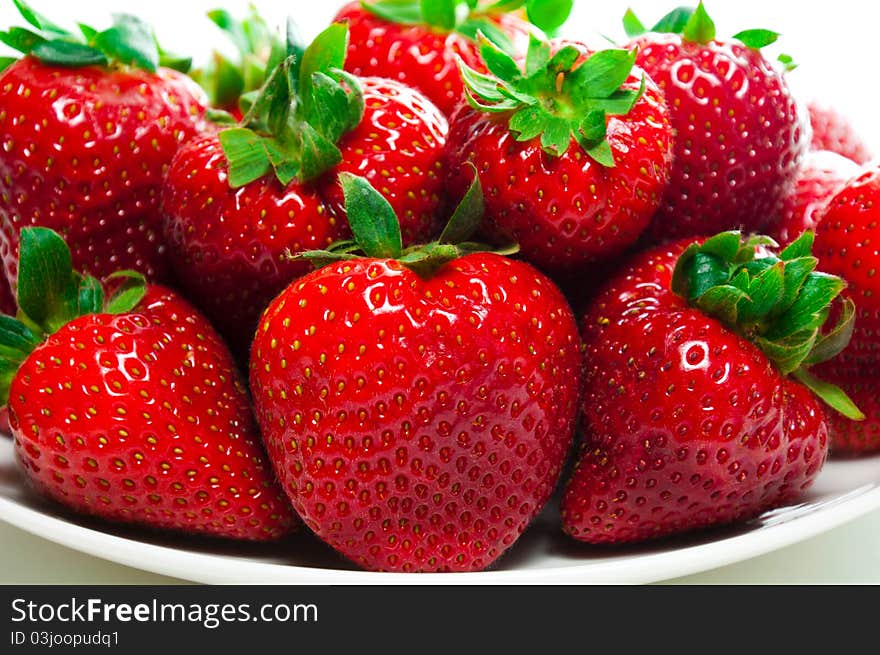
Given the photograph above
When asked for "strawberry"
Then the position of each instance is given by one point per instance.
(846, 245)
(823, 174)
(88, 127)
(232, 216)
(417, 404)
(859, 381)
(131, 409)
(574, 151)
(833, 131)
(417, 42)
(739, 136)
(698, 407)
(259, 50)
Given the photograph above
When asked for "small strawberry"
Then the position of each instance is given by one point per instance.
(416, 42)
(259, 51)
(574, 152)
(417, 404)
(860, 382)
(698, 407)
(88, 126)
(823, 174)
(238, 203)
(833, 131)
(846, 245)
(739, 136)
(131, 409)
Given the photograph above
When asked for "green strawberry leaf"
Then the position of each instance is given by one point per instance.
(48, 292)
(246, 155)
(439, 13)
(632, 25)
(91, 296)
(700, 28)
(130, 41)
(38, 20)
(6, 62)
(473, 27)
(405, 12)
(69, 54)
(16, 338)
(674, 22)
(549, 15)
(128, 295)
(21, 39)
(833, 343)
(373, 222)
(788, 62)
(757, 39)
(326, 52)
(832, 395)
(467, 215)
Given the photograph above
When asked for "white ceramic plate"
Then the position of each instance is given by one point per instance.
(844, 491)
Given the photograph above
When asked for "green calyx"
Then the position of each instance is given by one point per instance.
(259, 51)
(470, 17)
(695, 26)
(555, 96)
(129, 42)
(780, 303)
(51, 294)
(292, 126)
(376, 231)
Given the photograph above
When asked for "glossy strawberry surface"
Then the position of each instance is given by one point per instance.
(420, 56)
(739, 136)
(822, 175)
(686, 425)
(846, 245)
(84, 151)
(418, 425)
(567, 213)
(833, 131)
(143, 418)
(230, 247)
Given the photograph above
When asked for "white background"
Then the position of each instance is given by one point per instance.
(834, 43)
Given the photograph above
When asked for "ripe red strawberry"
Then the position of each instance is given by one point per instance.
(417, 43)
(823, 174)
(846, 245)
(739, 136)
(690, 417)
(132, 409)
(231, 228)
(574, 178)
(87, 131)
(859, 380)
(833, 131)
(417, 405)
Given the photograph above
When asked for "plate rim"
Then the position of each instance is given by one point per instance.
(208, 568)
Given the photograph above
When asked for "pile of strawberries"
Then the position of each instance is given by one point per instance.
(442, 245)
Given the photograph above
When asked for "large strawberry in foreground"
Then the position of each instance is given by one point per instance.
(739, 135)
(88, 127)
(417, 42)
(238, 204)
(130, 408)
(417, 404)
(699, 408)
(573, 149)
